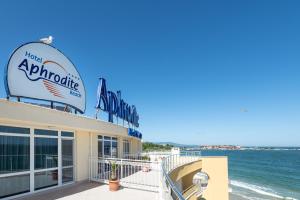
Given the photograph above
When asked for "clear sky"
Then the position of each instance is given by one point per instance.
(199, 72)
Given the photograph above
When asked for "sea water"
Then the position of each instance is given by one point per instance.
(271, 174)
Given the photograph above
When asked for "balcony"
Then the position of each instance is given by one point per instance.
(90, 191)
(164, 176)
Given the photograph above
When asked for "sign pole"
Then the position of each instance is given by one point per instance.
(96, 114)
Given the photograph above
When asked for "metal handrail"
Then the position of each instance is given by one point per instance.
(121, 159)
(173, 188)
(172, 162)
(190, 191)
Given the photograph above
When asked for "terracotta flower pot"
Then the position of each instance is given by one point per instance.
(114, 185)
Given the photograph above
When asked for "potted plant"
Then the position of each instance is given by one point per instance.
(114, 183)
(146, 166)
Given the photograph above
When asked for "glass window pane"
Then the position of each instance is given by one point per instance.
(107, 138)
(14, 185)
(100, 148)
(45, 179)
(67, 152)
(14, 154)
(67, 134)
(114, 139)
(107, 147)
(100, 137)
(45, 150)
(114, 150)
(126, 147)
(45, 132)
(11, 129)
(67, 174)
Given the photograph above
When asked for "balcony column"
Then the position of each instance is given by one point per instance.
(120, 147)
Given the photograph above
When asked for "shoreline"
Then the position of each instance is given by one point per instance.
(235, 197)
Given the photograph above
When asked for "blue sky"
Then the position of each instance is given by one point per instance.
(190, 67)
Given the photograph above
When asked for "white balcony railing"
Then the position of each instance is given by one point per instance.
(170, 189)
(133, 173)
(136, 172)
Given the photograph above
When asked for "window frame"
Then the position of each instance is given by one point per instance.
(111, 139)
(73, 159)
(20, 173)
(126, 142)
(31, 172)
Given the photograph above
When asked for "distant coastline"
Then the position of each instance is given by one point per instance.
(233, 147)
(168, 145)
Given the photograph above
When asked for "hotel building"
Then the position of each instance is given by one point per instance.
(42, 147)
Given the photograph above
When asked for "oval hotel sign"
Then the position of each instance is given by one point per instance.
(39, 71)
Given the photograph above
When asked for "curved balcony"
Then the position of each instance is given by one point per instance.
(178, 172)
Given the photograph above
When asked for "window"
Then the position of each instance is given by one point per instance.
(13, 185)
(45, 158)
(10, 129)
(67, 134)
(67, 175)
(45, 179)
(67, 160)
(114, 149)
(45, 132)
(126, 147)
(46, 153)
(100, 146)
(14, 158)
(107, 138)
(67, 153)
(107, 146)
(14, 154)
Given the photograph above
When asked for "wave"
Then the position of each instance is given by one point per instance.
(259, 189)
(244, 197)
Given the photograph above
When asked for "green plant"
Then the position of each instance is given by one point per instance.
(146, 158)
(113, 175)
(148, 146)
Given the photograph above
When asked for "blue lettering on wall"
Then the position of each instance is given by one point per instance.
(134, 133)
(112, 103)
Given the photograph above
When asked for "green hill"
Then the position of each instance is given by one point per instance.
(149, 146)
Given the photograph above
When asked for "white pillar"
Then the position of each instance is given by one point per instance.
(59, 159)
(31, 151)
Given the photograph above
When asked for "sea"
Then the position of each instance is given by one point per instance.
(262, 174)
